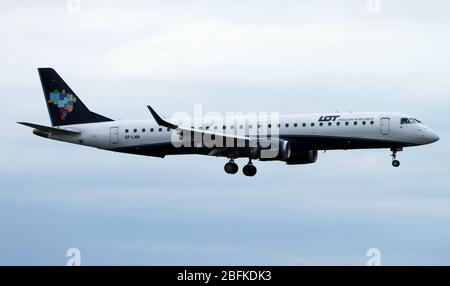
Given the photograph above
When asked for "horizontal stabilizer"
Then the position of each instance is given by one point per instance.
(52, 130)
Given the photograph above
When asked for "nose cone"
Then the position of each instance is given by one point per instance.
(432, 136)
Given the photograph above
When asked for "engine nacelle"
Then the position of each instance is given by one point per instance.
(299, 157)
(284, 150)
(277, 149)
(287, 152)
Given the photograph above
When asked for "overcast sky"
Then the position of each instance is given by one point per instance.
(282, 56)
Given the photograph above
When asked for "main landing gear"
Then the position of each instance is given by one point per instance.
(395, 162)
(249, 169)
(231, 168)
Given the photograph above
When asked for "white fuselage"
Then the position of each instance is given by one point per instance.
(314, 131)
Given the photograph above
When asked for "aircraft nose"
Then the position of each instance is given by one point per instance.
(433, 137)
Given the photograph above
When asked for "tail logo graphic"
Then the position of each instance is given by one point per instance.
(64, 101)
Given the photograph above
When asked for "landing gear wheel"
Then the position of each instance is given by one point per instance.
(249, 170)
(231, 167)
(396, 163)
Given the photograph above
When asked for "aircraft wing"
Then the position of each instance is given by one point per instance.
(219, 136)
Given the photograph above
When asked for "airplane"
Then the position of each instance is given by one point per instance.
(297, 139)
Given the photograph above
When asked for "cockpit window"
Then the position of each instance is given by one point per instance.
(409, 121)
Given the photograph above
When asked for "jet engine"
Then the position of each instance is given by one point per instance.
(291, 153)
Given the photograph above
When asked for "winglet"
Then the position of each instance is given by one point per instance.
(159, 120)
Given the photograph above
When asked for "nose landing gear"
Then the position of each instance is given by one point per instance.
(395, 162)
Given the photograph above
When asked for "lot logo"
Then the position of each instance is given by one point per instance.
(328, 118)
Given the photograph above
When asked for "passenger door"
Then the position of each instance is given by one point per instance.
(385, 126)
(114, 135)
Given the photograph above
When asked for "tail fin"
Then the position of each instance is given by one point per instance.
(64, 107)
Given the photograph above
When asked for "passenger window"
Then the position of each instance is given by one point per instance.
(304, 124)
(312, 124)
(168, 129)
(329, 123)
(224, 127)
(241, 126)
(372, 123)
(355, 123)
(287, 125)
(295, 124)
(363, 123)
(143, 129)
(338, 123)
(134, 130)
(207, 128)
(320, 124)
(346, 123)
(160, 129)
(126, 130)
(151, 129)
(269, 125)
